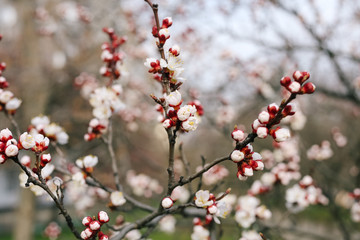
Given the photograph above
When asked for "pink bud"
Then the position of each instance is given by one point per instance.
(168, 123)
(2, 158)
(285, 81)
(95, 225)
(103, 217)
(308, 88)
(281, 134)
(289, 109)
(86, 221)
(294, 87)
(167, 202)
(88, 232)
(240, 176)
(167, 22)
(11, 150)
(260, 165)
(83, 235)
(238, 135)
(248, 171)
(197, 221)
(212, 209)
(262, 132)
(236, 156)
(104, 237)
(264, 117)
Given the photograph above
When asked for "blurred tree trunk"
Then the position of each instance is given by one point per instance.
(33, 92)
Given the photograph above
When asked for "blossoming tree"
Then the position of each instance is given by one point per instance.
(186, 193)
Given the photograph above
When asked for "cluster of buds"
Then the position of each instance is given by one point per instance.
(96, 128)
(186, 117)
(9, 147)
(247, 161)
(298, 86)
(8, 102)
(143, 185)
(262, 127)
(304, 194)
(162, 34)
(248, 209)
(42, 125)
(214, 207)
(321, 152)
(111, 56)
(355, 208)
(93, 226)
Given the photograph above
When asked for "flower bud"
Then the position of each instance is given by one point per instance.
(11, 150)
(285, 81)
(308, 88)
(262, 132)
(168, 123)
(167, 202)
(175, 50)
(281, 134)
(264, 117)
(294, 87)
(2, 158)
(240, 176)
(94, 225)
(212, 209)
(238, 135)
(236, 156)
(103, 217)
(167, 22)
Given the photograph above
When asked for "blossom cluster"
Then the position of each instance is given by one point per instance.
(303, 194)
(9, 147)
(93, 226)
(143, 185)
(261, 126)
(298, 86)
(321, 152)
(111, 56)
(186, 117)
(248, 209)
(8, 102)
(42, 125)
(246, 159)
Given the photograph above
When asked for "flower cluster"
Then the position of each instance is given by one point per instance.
(186, 117)
(214, 207)
(247, 160)
(298, 86)
(93, 226)
(355, 208)
(9, 147)
(304, 194)
(8, 102)
(214, 174)
(248, 209)
(162, 34)
(261, 125)
(250, 235)
(143, 185)
(321, 152)
(42, 125)
(52, 231)
(111, 56)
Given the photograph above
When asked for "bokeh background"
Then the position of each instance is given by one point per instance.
(234, 53)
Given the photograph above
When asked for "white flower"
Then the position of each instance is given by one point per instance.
(27, 141)
(237, 156)
(5, 96)
(200, 233)
(264, 117)
(62, 137)
(294, 87)
(167, 203)
(296, 198)
(90, 161)
(47, 170)
(40, 121)
(13, 104)
(185, 112)
(174, 98)
(180, 193)
(167, 224)
(190, 124)
(250, 235)
(5, 134)
(11, 150)
(262, 132)
(202, 198)
(238, 135)
(245, 218)
(102, 112)
(281, 134)
(212, 209)
(262, 212)
(117, 198)
(78, 178)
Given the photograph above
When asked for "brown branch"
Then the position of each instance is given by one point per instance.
(58, 202)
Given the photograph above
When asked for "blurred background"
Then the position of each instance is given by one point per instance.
(234, 53)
